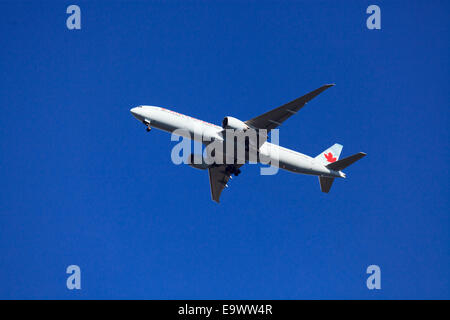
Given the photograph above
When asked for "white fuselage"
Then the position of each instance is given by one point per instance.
(202, 131)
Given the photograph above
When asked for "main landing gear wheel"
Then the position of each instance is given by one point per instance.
(233, 170)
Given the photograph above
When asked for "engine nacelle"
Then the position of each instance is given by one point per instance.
(233, 123)
(196, 161)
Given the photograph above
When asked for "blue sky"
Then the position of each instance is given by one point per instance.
(84, 184)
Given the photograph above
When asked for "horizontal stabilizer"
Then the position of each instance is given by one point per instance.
(325, 183)
(344, 163)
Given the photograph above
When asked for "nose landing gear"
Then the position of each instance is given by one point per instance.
(147, 123)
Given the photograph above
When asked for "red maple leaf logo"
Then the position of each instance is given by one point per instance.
(329, 157)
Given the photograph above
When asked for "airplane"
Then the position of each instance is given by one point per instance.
(326, 165)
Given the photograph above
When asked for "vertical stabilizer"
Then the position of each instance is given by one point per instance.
(330, 155)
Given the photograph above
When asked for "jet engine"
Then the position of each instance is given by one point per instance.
(196, 161)
(233, 123)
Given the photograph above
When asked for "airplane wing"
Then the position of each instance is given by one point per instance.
(218, 178)
(273, 118)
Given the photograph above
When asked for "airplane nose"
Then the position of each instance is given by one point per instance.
(135, 112)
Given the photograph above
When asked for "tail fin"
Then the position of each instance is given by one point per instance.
(325, 183)
(344, 163)
(330, 155)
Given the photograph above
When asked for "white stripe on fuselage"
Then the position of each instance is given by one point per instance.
(204, 132)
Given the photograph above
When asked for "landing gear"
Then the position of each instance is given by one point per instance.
(233, 170)
(147, 123)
